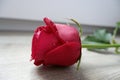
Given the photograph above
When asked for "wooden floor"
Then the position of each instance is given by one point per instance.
(15, 51)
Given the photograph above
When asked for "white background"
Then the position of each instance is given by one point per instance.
(91, 12)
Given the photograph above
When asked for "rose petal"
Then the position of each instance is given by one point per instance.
(35, 42)
(43, 43)
(64, 55)
(68, 33)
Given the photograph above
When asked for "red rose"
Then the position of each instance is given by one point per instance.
(55, 44)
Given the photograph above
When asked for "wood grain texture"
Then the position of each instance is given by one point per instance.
(15, 51)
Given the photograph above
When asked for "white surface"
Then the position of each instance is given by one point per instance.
(15, 51)
(95, 12)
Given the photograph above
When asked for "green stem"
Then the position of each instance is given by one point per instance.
(78, 24)
(78, 63)
(115, 32)
(100, 45)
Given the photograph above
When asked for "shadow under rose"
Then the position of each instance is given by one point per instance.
(58, 73)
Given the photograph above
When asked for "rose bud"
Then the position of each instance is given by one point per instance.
(56, 44)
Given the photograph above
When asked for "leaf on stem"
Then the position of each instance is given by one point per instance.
(98, 37)
(101, 36)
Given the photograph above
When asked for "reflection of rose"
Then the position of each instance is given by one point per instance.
(55, 44)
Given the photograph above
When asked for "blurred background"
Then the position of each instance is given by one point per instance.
(26, 15)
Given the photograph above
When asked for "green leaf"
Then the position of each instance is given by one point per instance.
(102, 36)
(98, 37)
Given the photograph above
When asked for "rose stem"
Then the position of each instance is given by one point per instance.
(100, 45)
